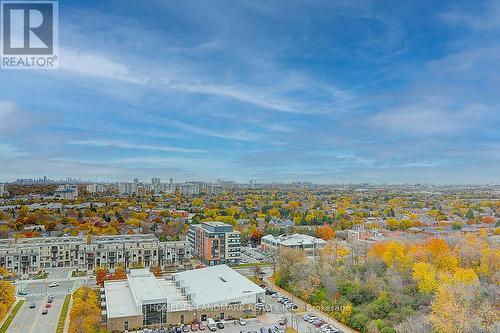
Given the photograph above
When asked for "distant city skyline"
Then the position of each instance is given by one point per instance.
(326, 92)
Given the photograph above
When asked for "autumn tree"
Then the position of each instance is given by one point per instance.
(119, 273)
(157, 271)
(85, 314)
(462, 308)
(101, 275)
(7, 297)
(425, 276)
(325, 232)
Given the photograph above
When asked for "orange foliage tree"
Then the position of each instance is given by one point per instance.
(325, 232)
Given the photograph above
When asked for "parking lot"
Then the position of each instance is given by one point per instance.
(253, 255)
(295, 317)
(232, 326)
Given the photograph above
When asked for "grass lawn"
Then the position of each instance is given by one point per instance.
(9, 319)
(291, 330)
(43, 275)
(78, 273)
(64, 313)
(260, 264)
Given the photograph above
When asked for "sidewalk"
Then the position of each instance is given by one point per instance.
(306, 307)
(9, 312)
(66, 322)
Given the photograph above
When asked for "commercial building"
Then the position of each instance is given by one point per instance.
(68, 192)
(95, 188)
(215, 243)
(28, 255)
(3, 191)
(296, 241)
(126, 188)
(142, 300)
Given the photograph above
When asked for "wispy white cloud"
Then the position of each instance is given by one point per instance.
(172, 161)
(487, 19)
(429, 119)
(321, 97)
(127, 145)
(241, 135)
(7, 150)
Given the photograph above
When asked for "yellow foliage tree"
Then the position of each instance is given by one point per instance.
(425, 276)
(395, 255)
(465, 276)
(490, 264)
(7, 297)
(85, 314)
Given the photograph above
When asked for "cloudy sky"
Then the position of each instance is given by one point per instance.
(323, 91)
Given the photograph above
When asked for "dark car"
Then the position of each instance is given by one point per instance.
(220, 324)
(22, 293)
(45, 311)
(185, 328)
(32, 305)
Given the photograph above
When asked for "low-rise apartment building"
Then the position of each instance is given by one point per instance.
(28, 255)
(68, 192)
(215, 243)
(307, 243)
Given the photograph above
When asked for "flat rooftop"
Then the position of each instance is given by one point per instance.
(119, 300)
(188, 290)
(145, 287)
(217, 285)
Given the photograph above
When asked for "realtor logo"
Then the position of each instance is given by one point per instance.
(29, 34)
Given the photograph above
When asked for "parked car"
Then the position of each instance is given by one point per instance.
(22, 293)
(48, 305)
(194, 327)
(201, 326)
(242, 321)
(212, 326)
(282, 321)
(32, 305)
(185, 328)
(53, 284)
(45, 311)
(220, 324)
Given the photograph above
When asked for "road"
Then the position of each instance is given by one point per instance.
(58, 273)
(42, 288)
(31, 320)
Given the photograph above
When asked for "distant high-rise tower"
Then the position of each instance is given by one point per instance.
(136, 180)
(155, 181)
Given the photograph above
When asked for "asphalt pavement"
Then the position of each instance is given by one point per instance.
(32, 320)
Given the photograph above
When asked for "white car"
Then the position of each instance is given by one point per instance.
(53, 284)
(242, 321)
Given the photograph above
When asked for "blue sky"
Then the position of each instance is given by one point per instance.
(323, 91)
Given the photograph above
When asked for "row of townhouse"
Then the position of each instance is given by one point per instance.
(28, 255)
